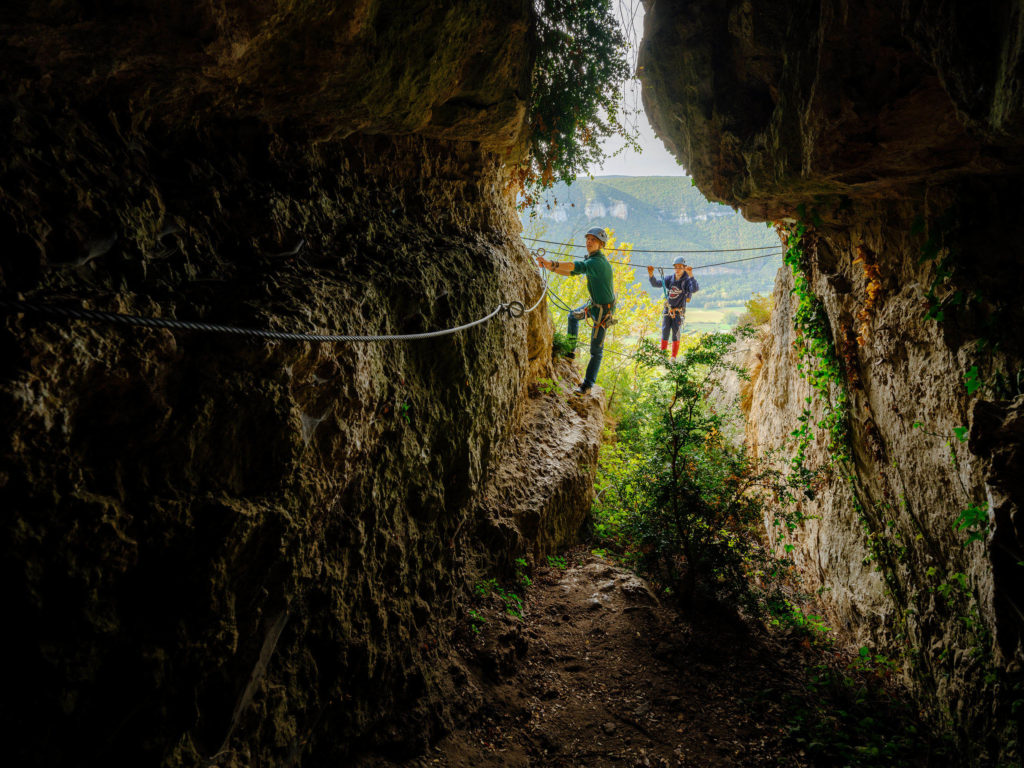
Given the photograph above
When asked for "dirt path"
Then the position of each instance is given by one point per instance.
(608, 676)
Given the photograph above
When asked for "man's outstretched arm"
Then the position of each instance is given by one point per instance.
(558, 267)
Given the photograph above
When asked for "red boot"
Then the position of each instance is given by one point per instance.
(675, 349)
(664, 344)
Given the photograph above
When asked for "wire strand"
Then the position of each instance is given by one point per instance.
(701, 266)
(697, 266)
(513, 309)
(655, 250)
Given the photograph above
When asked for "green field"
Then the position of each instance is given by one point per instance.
(707, 320)
(716, 316)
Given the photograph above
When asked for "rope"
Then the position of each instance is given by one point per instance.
(555, 299)
(559, 302)
(536, 254)
(698, 266)
(512, 309)
(537, 303)
(641, 250)
(703, 266)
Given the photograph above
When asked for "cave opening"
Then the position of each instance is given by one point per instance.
(254, 516)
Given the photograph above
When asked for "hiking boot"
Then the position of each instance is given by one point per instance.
(582, 389)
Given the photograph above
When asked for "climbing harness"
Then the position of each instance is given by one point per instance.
(670, 311)
(603, 317)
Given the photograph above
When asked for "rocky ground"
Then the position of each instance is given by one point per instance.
(602, 673)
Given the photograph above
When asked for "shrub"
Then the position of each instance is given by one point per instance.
(563, 344)
(576, 89)
(758, 310)
(682, 500)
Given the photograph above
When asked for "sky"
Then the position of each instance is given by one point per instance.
(654, 159)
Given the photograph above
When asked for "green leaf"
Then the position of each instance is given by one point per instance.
(961, 433)
(972, 380)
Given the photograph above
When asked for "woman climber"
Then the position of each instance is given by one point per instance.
(678, 290)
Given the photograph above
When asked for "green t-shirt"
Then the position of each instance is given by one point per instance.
(599, 277)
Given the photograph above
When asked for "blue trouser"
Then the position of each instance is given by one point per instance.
(672, 323)
(600, 314)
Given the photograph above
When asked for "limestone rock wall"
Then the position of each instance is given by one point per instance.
(221, 551)
(882, 545)
(557, 451)
(892, 131)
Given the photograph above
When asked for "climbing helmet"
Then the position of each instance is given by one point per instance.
(599, 233)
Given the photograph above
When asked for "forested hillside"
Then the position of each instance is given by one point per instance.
(662, 212)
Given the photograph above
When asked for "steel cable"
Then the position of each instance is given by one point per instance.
(656, 250)
(512, 309)
(696, 266)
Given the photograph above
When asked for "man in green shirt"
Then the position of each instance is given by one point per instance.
(602, 298)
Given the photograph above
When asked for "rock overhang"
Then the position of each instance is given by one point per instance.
(458, 71)
(772, 105)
